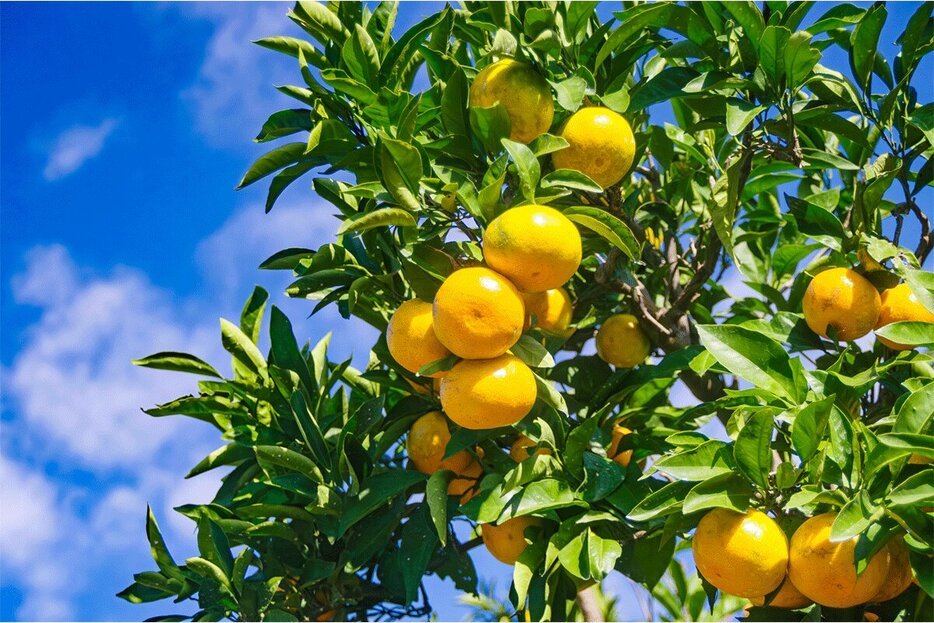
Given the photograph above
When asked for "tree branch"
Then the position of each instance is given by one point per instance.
(587, 600)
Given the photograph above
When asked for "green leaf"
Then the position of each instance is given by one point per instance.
(854, 518)
(549, 395)
(207, 569)
(441, 365)
(567, 178)
(284, 123)
(922, 445)
(272, 161)
(759, 359)
(724, 491)
(289, 459)
(664, 86)
(772, 46)
(318, 20)
(401, 54)
(588, 555)
(213, 545)
(178, 362)
(436, 495)
(160, 553)
(532, 353)
(287, 259)
(633, 21)
(527, 167)
(799, 59)
(709, 459)
(540, 496)
(375, 492)
(360, 56)
(916, 490)
(232, 453)
(608, 227)
(753, 449)
(416, 545)
(739, 114)
(909, 333)
(401, 166)
(384, 217)
(748, 16)
(808, 427)
(285, 353)
(251, 318)
(864, 41)
(921, 283)
(244, 351)
(491, 125)
(914, 415)
(665, 501)
(570, 93)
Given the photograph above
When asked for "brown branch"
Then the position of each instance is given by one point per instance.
(926, 243)
(590, 608)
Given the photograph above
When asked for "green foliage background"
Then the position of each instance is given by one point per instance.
(776, 165)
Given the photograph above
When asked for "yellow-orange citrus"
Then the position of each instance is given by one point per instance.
(551, 311)
(534, 246)
(488, 393)
(744, 554)
(621, 342)
(787, 597)
(478, 313)
(899, 304)
(899, 575)
(601, 145)
(825, 572)
(522, 91)
(411, 338)
(520, 449)
(843, 299)
(428, 438)
(624, 457)
(507, 540)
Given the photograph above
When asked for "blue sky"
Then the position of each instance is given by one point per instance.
(125, 128)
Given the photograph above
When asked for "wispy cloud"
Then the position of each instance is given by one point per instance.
(75, 146)
(234, 93)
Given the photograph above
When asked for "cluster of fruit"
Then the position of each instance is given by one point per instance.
(480, 312)
(843, 300)
(748, 555)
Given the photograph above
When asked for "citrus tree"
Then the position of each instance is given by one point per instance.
(512, 180)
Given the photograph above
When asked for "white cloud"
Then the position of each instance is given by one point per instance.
(75, 146)
(234, 92)
(72, 382)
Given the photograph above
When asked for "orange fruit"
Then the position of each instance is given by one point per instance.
(550, 311)
(534, 246)
(825, 572)
(411, 338)
(601, 145)
(899, 575)
(520, 449)
(507, 540)
(428, 438)
(488, 393)
(624, 457)
(522, 91)
(843, 299)
(899, 304)
(744, 554)
(787, 597)
(621, 342)
(478, 313)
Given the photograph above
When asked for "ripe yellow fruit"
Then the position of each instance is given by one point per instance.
(899, 304)
(522, 91)
(534, 246)
(428, 438)
(507, 540)
(787, 597)
(601, 145)
(744, 554)
(843, 299)
(621, 342)
(488, 393)
(551, 311)
(478, 313)
(624, 457)
(465, 483)
(411, 337)
(520, 449)
(825, 572)
(899, 575)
